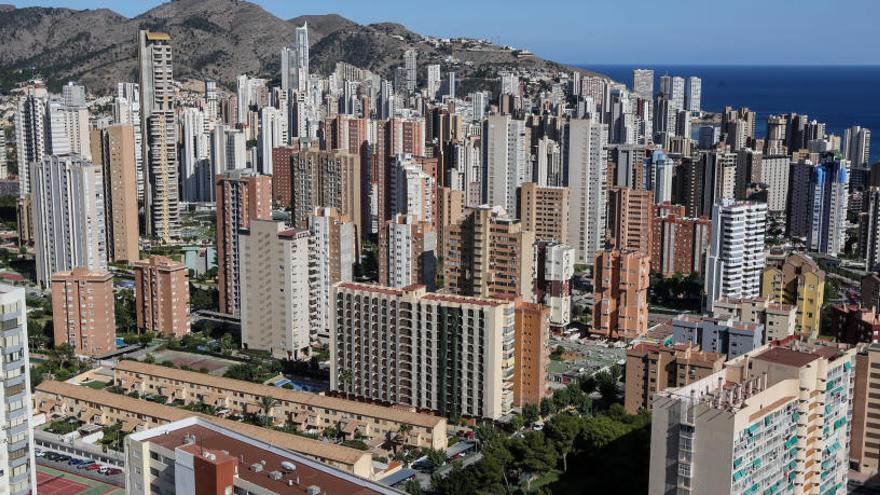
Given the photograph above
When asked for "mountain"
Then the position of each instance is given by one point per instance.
(220, 39)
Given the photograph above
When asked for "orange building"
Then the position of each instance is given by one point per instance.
(544, 210)
(161, 296)
(630, 213)
(620, 293)
(83, 311)
(532, 323)
(242, 196)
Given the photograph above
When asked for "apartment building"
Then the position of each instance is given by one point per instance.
(679, 243)
(242, 196)
(544, 210)
(779, 320)
(532, 353)
(864, 451)
(63, 400)
(83, 311)
(853, 324)
(328, 179)
(275, 290)
(113, 149)
(736, 252)
(307, 412)
(18, 472)
(407, 253)
(441, 352)
(196, 456)
(620, 293)
(333, 250)
(798, 280)
(651, 368)
(775, 420)
(554, 266)
(488, 254)
(630, 219)
(724, 336)
(161, 296)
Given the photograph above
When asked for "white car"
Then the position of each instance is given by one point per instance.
(39, 453)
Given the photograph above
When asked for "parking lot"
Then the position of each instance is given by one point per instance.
(81, 466)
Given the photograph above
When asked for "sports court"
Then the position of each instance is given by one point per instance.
(54, 482)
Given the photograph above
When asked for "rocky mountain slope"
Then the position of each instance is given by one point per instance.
(219, 39)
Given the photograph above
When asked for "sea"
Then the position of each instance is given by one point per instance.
(840, 96)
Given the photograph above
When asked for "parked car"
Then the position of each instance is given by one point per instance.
(113, 471)
(87, 464)
(39, 453)
(75, 462)
(93, 467)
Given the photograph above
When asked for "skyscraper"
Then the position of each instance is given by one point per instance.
(242, 196)
(643, 83)
(159, 125)
(544, 211)
(585, 163)
(620, 293)
(829, 191)
(295, 61)
(505, 160)
(630, 218)
(19, 472)
(333, 251)
(127, 110)
(196, 168)
(68, 216)
(410, 63)
(736, 251)
(661, 169)
(433, 85)
(30, 133)
(856, 146)
(694, 94)
(114, 150)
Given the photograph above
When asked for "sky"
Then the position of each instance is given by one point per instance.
(672, 32)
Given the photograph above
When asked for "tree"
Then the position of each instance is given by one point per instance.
(124, 308)
(412, 487)
(227, 343)
(547, 406)
(436, 457)
(607, 385)
(530, 413)
(63, 354)
(533, 454)
(599, 431)
(563, 430)
(457, 482)
(345, 377)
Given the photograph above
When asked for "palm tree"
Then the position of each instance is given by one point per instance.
(267, 403)
(346, 376)
(399, 439)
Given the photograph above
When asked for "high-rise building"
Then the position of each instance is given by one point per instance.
(475, 379)
(775, 173)
(630, 219)
(19, 472)
(505, 160)
(410, 64)
(127, 111)
(68, 215)
(620, 293)
(829, 192)
(83, 311)
(676, 93)
(854, 324)
(661, 170)
(753, 426)
(242, 196)
(196, 167)
(488, 254)
(273, 124)
(652, 368)
(407, 253)
(554, 267)
(864, 453)
(113, 148)
(856, 146)
(328, 179)
(274, 281)
(159, 127)
(544, 210)
(694, 94)
(333, 245)
(643, 83)
(736, 251)
(30, 133)
(799, 281)
(679, 243)
(161, 296)
(531, 341)
(585, 161)
(295, 61)
(433, 85)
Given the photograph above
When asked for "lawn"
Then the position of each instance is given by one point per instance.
(95, 384)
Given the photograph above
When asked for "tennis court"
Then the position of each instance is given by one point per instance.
(54, 482)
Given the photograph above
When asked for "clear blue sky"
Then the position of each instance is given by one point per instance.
(615, 31)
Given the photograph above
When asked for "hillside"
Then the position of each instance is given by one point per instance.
(219, 39)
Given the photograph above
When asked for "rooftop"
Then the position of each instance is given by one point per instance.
(787, 357)
(198, 437)
(161, 412)
(283, 394)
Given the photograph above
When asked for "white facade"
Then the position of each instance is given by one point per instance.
(272, 126)
(68, 215)
(274, 280)
(197, 174)
(433, 86)
(321, 247)
(662, 168)
(694, 94)
(127, 110)
(506, 160)
(295, 62)
(587, 165)
(558, 271)
(18, 475)
(30, 134)
(856, 146)
(735, 260)
(643, 83)
(775, 173)
(412, 190)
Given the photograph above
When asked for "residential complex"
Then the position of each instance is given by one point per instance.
(800, 282)
(161, 296)
(735, 260)
(620, 293)
(83, 311)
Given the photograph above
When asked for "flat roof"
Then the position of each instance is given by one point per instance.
(788, 357)
(280, 439)
(196, 436)
(308, 398)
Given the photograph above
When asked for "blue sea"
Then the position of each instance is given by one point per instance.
(839, 96)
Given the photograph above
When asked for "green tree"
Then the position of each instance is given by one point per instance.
(533, 454)
(412, 487)
(456, 482)
(266, 404)
(607, 385)
(563, 430)
(530, 413)
(124, 308)
(436, 457)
